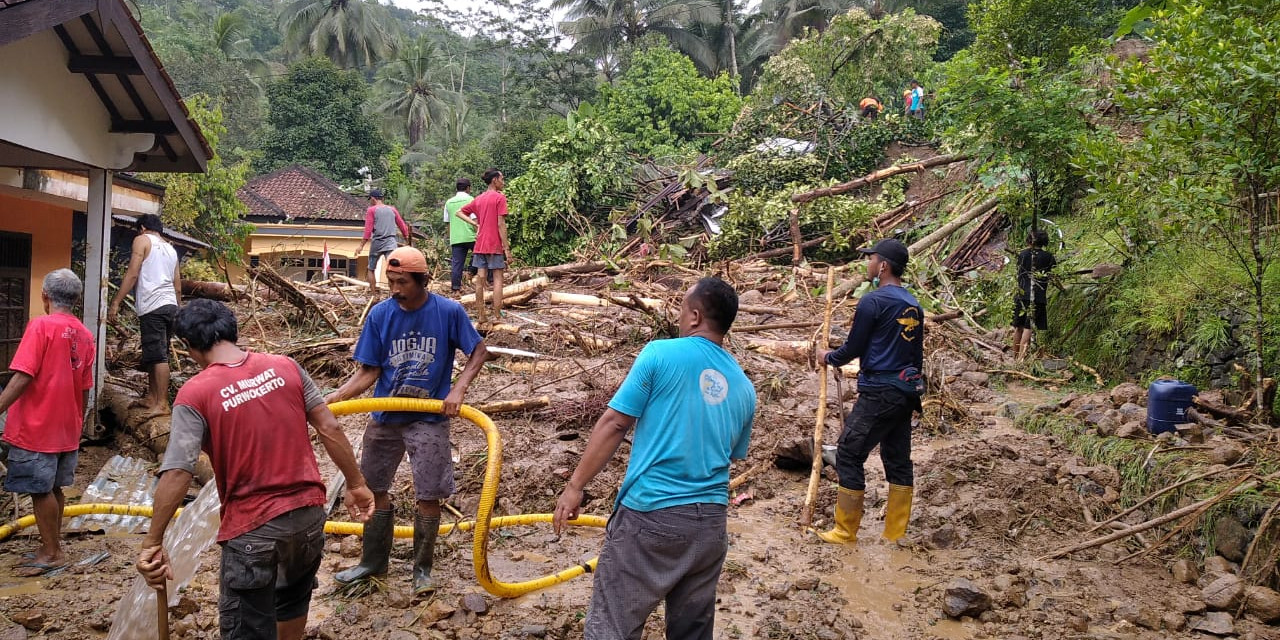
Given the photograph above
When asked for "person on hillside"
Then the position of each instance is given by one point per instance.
(870, 107)
(249, 411)
(380, 224)
(153, 277)
(46, 400)
(492, 250)
(915, 107)
(1029, 304)
(462, 234)
(887, 336)
(407, 347)
(906, 101)
(691, 407)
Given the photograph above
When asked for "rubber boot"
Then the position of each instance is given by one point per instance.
(425, 529)
(848, 518)
(897, 512)
(376, 550)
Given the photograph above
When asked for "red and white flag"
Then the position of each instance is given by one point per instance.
(324, 260)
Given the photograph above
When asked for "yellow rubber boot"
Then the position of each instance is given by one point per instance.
(897, 512)
(848, 518)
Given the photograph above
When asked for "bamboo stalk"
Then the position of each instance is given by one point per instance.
(511, 290)
(1161, 492)
(815, 473)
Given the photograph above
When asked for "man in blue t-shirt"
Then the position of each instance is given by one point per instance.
(888, 337)
(691, 406)
(407, 347)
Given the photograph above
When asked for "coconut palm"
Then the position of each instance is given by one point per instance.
(228, 37)
(351, 33)
(601, 28)
(416, 96)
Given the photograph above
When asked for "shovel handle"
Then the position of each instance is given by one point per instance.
(162, 611)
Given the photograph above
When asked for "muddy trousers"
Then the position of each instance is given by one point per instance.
(882, 416)
(671, 555)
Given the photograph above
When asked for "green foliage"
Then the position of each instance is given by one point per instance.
(1008, 31)
(508, 148)
(318, 119)
(395, 179)
(348, 32)
(662, 101)
(205, 205)
(574, 180)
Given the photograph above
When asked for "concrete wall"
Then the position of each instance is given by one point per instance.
(50, 229)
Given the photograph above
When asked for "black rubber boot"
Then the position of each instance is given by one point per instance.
(376, 551)
(425, 529)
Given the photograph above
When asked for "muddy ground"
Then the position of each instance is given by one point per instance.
(991, 500)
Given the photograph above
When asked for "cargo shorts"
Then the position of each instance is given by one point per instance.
(268, 574)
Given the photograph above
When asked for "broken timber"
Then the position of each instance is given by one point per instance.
(876, 176)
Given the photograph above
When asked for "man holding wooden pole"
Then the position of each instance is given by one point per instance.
(888, 336)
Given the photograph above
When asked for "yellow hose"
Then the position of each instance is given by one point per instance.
(480, 526)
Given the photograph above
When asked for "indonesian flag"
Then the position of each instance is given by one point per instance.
(324, 260)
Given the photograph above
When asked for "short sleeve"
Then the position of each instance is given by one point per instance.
(632, 397)
(470, 207)
(502, 205)
(186, 434)
(462, 332)
(31, 350)
(87, 368)
(311, 395)
(369, 349)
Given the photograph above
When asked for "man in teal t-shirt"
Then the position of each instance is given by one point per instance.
(691, 407)
(462, 233)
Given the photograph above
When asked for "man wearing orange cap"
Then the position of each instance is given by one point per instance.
(407, 347)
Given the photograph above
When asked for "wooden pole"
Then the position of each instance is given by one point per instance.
(876, 176)
(162, 611)
(811, 496)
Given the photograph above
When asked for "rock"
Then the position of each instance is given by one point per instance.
(1262, 603)
(1226, 453)
(1127, 392)
(474, 603)
(534, 630)
(944, 537)
(1131, 411)
(350, 547)
(751, 296)
(1054, 364)
(979, 378)
(1132, 430)
(435, 612)
(354, 613)
(1138, 615)
(399, 598)
(1184, 571)
(1224, 594)
(963, 598)
(807, 583)
(1218, 623)
(401, 634)
(1173, 621)
(491, 628)
(1230, 538)
(1009, 410)
(1217, 564)
(1078, 623)
(829, 634)
(33, 619)
(1106, 425)
(13, 632)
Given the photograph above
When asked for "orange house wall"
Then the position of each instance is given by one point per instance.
(50, 230)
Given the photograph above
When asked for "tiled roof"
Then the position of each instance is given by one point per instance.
(298, 193)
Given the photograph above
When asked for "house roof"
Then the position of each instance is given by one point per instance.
(106, 45)
(298, 193)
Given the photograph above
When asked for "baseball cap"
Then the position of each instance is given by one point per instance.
(406, 260)
(889, 249)
(376, 193)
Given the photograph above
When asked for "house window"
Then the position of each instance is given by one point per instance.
(15, 276)
(335, 264)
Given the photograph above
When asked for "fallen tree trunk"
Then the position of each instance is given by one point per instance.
(577, 268)
(782, 251)
(949, 228)
(876, 176)
(512, 290)
(584, 300)
(219, 291)
(513, 406)
(151, 430)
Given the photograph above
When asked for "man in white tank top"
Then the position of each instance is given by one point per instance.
(153, 268)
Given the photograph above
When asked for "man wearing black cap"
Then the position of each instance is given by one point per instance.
(888, 337)
(380, 224)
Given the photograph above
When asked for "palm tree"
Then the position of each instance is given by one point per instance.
(602, 28)
(351, 33)
(228, 37)
(416, 95)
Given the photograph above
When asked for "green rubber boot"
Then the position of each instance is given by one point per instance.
(425, 529)
(376, 551)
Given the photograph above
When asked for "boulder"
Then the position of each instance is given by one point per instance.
(964, 598)
(1231, 539)
(1262, 603)
(1224, 594)
(1127, 392)
(1226, 453)
(1132, 411)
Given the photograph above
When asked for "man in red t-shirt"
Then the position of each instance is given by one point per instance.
(249, 412)
(52, 375)
(492, 250)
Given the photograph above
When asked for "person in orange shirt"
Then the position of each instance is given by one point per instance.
(906, 101)
(870, 107)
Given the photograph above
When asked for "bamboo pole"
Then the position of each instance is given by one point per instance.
(949, 228)
(876, 176)
(811, 496)
(512, 290)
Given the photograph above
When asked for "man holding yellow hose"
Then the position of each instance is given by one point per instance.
(691, 407)
(407, 347)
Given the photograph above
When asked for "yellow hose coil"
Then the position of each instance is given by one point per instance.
(480, 526)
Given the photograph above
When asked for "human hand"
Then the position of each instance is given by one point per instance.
(153, 564)
(819, 358)
(332, 397)
(453, 401)
(567, 507)
(359, 501)
(112, 312)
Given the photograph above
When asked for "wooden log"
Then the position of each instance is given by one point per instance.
(1222, 411)
(782, 251)
(578, 268)
(753, 328)
(512, 290)
(513, 406)
(876, 176)
(949, 228)
(815, 471)
(794, 223)
(761, 310)
(219, 291)
(151, 430)
(584, 300)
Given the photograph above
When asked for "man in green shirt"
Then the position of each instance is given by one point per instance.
(462, 233)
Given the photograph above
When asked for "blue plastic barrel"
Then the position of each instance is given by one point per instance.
(1167, 404)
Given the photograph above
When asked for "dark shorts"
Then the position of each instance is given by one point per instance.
(1023, 320)
(489, 260)
(430, 457)
(375, 256)
(268, 574)
(671, 555)
(35, 472)
(157, 330)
